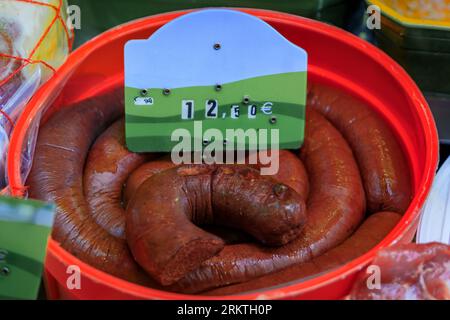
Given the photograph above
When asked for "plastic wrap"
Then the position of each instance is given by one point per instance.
(434, 223)
(34, 41)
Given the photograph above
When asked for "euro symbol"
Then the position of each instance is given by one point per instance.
(267, 108)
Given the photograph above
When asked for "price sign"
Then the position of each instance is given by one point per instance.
(222, 68)
(24, 229)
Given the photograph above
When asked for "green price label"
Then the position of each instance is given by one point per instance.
(207, 74)
(24, 229)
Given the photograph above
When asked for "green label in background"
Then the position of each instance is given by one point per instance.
(24, 229)
(222, 68)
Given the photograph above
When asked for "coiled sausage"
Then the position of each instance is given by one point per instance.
(369, 234)
(381, 160)
(107, 167)
(168, 246)
(142, 173)
(291, 172)
(57, 173)
(335, 208)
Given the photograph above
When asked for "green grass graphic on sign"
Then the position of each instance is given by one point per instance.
(150, 126)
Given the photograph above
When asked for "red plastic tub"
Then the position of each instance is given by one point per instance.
(335, 57)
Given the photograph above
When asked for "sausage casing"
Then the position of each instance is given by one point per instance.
(161, 215)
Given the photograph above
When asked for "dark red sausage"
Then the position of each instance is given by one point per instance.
(369, 234)
(168, 245)
(383, 165)
(291, 172)
(108, 166)
(145, 171)
(335, 208)
(142, 173)
(57, 173)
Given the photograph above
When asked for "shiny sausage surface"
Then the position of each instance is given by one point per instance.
(107, 167)
(291, 172)
(171, 210)
(61, 150)
(142, 173)
(369, 234)
(382, 162)
(163, 215)
(335, 208)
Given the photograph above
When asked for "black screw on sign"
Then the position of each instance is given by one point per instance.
(4, 271)
(273, 120)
